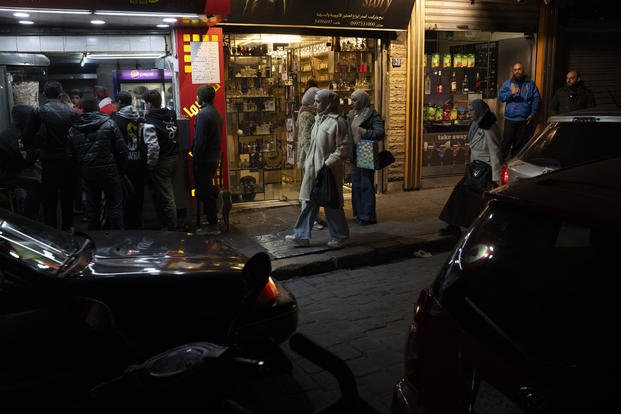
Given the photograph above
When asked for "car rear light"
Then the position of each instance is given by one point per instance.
(421, 304)
(504, 174)
(269, 293)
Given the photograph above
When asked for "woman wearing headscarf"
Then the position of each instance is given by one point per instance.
(306, 119)
(364, 123)
(330, 145)
(465, 204)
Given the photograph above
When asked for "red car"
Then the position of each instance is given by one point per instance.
(522, 316)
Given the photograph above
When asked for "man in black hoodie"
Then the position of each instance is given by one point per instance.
(574, 95)
(58, 174)
(206, 155)
(131, 125)
(96, 143)
(160, 137)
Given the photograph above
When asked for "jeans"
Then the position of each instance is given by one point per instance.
(162, 177)
(113, 198)
(337, 223)
(363, 193)
(58, 178)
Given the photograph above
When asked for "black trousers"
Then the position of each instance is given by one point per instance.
(133, 203)
(58, 180)
(515, 135)
(205, 190)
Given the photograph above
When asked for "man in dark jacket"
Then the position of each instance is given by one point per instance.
(206, 155)
(131, 124)
(96, 143)
(574, 95)
(160, 137)
(58, 173)
(17, 154)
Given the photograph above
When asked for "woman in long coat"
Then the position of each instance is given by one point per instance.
(365, 123)
(306, 119)
(465, 204)
(331, 146)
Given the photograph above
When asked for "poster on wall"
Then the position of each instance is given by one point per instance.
(359, 14)
(205, 62)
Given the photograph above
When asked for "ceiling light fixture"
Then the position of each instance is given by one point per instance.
(26, 22)
(129, 55)
(52, 11)
(169, 20)
(98, 22)
(144, 14)
(20, 14)
(83, 60)
(162, 26)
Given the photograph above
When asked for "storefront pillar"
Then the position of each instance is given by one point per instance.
(546, 54)
(414, 99)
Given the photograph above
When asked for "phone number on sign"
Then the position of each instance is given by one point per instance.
(365, 23)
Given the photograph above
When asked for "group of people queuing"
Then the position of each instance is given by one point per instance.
(487, 145)
(92, 149)
(327, 139)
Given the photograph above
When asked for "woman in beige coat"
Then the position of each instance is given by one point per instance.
(330, 145)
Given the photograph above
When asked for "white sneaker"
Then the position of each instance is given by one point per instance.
(336, 243)
(318, 226)
(296, 240)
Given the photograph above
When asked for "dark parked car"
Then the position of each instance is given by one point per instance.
(69, 301)
(567, 140)
(527, 305)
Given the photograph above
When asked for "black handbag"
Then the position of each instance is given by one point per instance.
(385, 159)
(478, 176)
(324, 192)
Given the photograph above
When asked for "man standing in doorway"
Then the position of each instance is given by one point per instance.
(206, 156)
(160, 137)
(574, 95)
(522, 102)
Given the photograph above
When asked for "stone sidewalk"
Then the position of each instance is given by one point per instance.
(407, 222)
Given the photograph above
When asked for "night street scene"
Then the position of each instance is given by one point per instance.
(223, 206)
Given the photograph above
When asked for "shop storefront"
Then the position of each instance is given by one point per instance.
(468, 56)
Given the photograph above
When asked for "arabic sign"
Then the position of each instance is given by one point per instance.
(359, 14)
(205, 62)
(144, 74)
(172, 6)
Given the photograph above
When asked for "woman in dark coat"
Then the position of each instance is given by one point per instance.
(364, 123)
(464, 203)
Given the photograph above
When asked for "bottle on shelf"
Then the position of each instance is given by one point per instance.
(464, 84)
(427, 84)
(453, 83)
(439, 86)
(477, 82)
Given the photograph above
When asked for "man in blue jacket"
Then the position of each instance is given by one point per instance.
(522, 102)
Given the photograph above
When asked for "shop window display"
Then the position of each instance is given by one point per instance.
(265, 79)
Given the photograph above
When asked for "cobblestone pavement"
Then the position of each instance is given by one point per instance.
(361, 315)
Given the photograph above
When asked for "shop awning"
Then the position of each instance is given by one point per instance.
(360, 15)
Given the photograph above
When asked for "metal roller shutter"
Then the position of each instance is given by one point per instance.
(487, 15)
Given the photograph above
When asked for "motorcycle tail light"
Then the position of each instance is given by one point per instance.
(504, 174)
(269, 293)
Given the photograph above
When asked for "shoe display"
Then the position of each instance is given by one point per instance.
(336, 243)
(450, 231)
(296, 240)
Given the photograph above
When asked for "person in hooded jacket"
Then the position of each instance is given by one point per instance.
(206, 156)
(573, 96)
(97, 145)
(130, 124)
(330, 146)
(160, 137)
(17, 157)
(465, 204)
(365, 123)
(103, 99)
(58, 173)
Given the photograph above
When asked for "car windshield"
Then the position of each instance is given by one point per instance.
(533, 279)
(564, 144)
(35, 245)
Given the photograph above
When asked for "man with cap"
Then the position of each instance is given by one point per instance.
(105, 102)
(206, 155)
(131, 123)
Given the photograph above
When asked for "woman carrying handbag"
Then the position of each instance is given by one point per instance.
(364, 124)
(482, 173)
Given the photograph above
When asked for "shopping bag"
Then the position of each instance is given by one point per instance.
(366, 154)
(324, 192)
